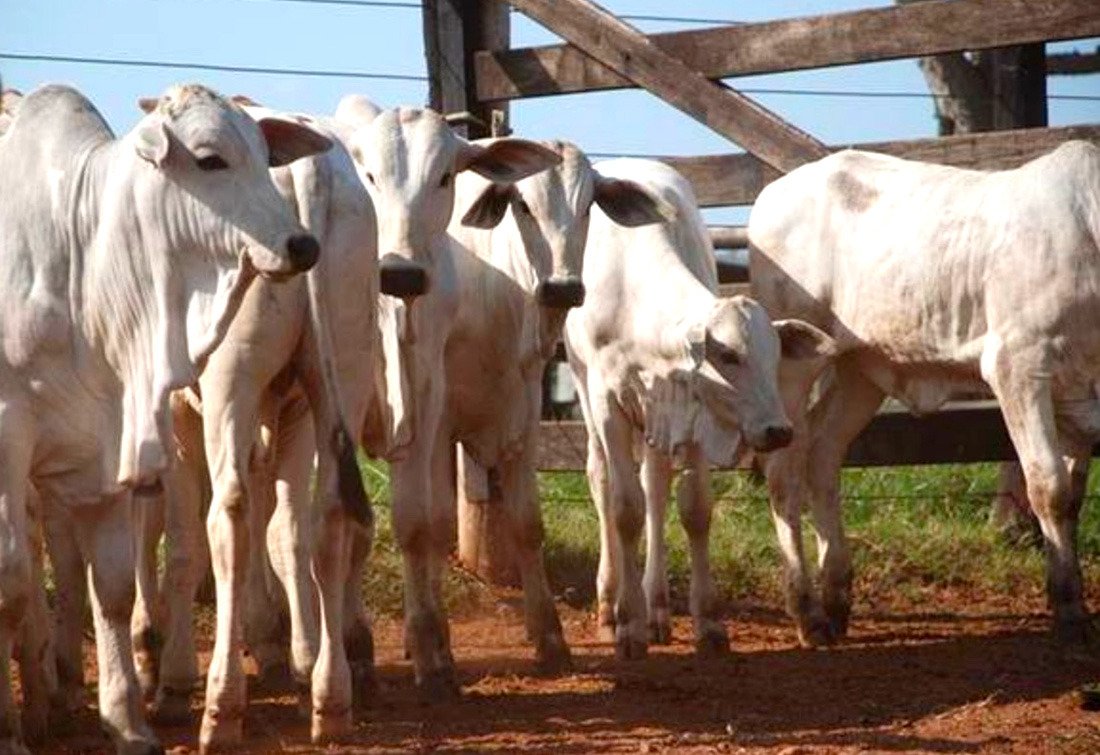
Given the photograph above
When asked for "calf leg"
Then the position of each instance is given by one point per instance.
(105, 533)
(358, 631)
(656, 479)
(290, 534)
(696, 505)
(69, 599)
(145, 623)
(599, 488)
(627, 514)
(16, 570)
(37, 663)
(1022, 386)
(843, 410)
(185, 564)
(230, 427)
(520, 488)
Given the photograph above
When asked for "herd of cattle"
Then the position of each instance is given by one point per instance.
(236, 298)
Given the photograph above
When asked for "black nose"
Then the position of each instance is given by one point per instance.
(560, 293)
(776, 436)
(303, 251)
(400, 276)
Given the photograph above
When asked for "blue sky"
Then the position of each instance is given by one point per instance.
(313, 36)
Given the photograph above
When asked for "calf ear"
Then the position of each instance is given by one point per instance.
(244, 101)
(288, 141)
(631, 204)
(148, 104)
(154, 142)
(800, 340)
(489, 208)
(506, 160)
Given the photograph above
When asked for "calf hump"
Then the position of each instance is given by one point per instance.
(855, 194)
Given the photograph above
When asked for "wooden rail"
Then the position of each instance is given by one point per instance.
(737, 178)
(961, 433)
(902, 31)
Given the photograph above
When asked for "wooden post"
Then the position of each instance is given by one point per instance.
(484, 543)
(454, 30)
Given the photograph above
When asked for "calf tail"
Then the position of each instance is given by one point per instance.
(312, 189)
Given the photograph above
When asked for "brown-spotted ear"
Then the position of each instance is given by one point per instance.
(244, 100)
(154, 142)
(630, 204)
(506, 160)
(288, 141)
(800, 340)
(490, 207)
(148, 104)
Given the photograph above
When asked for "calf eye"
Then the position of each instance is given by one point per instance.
(211, 162)
(445, 181)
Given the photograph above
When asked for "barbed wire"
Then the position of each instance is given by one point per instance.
(225, 68)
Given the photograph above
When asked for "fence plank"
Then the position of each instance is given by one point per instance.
(889, 33)
(964, 432)
(629, 52)
(737, 179)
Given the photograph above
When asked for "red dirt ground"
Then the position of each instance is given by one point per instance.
(978, 675)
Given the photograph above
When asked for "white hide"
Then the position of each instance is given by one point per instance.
(935, 280)
(122, 263)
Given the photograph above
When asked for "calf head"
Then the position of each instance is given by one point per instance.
(408, 159)
(551, 211)
(211, 165)
(737, 353)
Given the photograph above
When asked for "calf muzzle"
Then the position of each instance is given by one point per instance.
(399, 276)
(560, 293)
(303, 251)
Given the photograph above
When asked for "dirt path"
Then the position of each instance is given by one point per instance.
(979, 677)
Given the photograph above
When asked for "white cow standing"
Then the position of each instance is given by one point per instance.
(297, 362)
(408, 159)
(122, 262)
(654, 351)
(935, 280)
(519, 252)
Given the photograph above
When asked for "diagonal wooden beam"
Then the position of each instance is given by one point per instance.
(628, 52)
(863, 36)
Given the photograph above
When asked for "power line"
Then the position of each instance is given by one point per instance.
(211, 67)
(418, 6)
(417, 77)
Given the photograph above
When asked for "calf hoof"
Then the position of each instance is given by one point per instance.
(12, 746)
(303, 700)
(838, 621)
(713, 643)
(274, 678)
(630, 649)
(219, 732)
(364, 682)
(815, 633)
(660, 633)
(35, 724)
(553, 656)
(171, 708)
(140, 747)
(1075, 632)
(328, 727)
(438, 686)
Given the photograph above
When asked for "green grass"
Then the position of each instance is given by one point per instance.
(912, 529)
